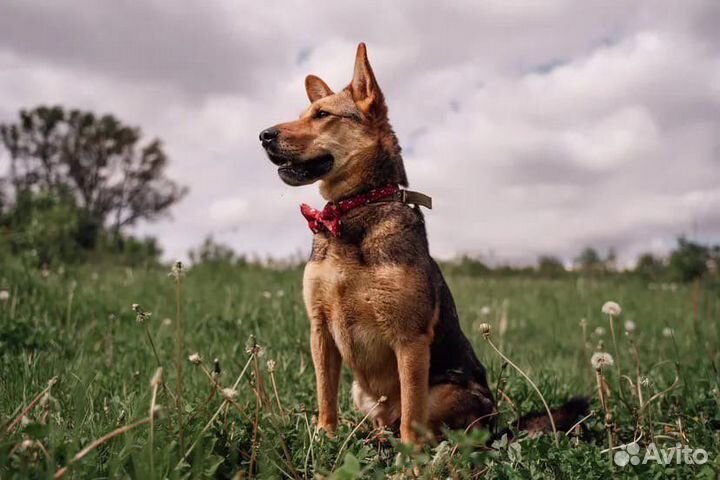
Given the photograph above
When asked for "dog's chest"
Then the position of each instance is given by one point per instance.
(343, 295)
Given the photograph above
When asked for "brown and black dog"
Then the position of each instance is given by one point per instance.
(375, 298)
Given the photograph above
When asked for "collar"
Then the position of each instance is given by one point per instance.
(329, 218)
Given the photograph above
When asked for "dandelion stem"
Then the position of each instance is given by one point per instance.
(96, 443)
(606, 410)
(178, 350)
(30, 406)
(152, 345)
(215, 415)
(357, 427)
(529, 380)
(154, 384)
(277, 396)
(617, 357)
(256, 421)
(311, 436)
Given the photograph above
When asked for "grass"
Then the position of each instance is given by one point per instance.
(244, 416)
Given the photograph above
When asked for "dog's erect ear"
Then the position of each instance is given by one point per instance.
(316, 88)
(364, 88)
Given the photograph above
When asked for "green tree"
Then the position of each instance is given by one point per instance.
(589, 260)
(649, 266)
(42, 226)
(689, 260)
(550, 266)
(114, 179)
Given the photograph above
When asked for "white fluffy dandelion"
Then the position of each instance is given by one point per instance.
(667, 332)
(484, 311)
(630, 326)
(229, 394)
(4, 295)
(600, 360)
(612, 309)
(271, 366)
(266, 294)
(195, 359)
(599, 331)
(141, 315)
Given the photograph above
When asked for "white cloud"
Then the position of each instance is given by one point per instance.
(229, 211)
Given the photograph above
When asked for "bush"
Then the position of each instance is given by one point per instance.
(42, 227)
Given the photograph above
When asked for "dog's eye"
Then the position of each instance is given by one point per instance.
(321, 114)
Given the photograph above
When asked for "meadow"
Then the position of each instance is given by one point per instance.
(79, 368)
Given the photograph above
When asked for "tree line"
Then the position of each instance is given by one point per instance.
(687, 261)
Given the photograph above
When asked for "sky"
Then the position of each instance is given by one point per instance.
(538, 127)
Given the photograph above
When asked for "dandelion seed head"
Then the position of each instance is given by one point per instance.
(630, 326)
(583, 322)
(177, 271)
(280, 293)
(266, 294)
(271, 366)
(484, 311)
(195, 359)
(612, 309)
(4, 295)
(485, 329)
(167, 322)
(600, 360)
(667, 332)
(600, 331)
(26, 444)
(229, 394)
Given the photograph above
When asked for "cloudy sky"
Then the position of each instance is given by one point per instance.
(537, 126)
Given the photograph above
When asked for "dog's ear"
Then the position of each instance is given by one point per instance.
(364, 88)
(316, 88)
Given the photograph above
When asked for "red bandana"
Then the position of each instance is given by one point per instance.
(329, 217)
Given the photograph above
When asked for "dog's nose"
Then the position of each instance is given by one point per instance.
(268, 135)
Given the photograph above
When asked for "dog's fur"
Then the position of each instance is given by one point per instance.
(375, 298)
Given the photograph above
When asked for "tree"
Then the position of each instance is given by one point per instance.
(550, 266)
(689, 260)
(649, 266)
(114, 179)
(589, 260)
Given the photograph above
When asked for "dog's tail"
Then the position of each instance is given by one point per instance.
(565, 417)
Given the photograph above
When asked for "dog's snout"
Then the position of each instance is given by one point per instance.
(268, 135)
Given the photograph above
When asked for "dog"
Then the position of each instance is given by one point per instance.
(376, 299)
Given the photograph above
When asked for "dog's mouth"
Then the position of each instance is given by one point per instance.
(296, 174)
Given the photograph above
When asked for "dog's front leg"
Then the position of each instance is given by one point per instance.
(413, 361)
(327, 362)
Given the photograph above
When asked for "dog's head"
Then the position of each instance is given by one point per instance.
(343, 139)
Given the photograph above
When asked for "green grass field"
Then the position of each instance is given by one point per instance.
(78, 325)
